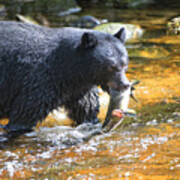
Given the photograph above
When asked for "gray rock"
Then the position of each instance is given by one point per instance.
(132, 31)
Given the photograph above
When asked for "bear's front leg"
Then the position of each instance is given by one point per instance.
(86, 108)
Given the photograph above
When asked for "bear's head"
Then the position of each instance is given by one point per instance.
(108, 57)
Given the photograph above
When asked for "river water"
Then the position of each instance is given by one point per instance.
(147, 147)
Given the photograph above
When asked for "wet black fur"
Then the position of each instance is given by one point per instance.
(44, 68)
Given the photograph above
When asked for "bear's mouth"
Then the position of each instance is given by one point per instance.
(117, 86)
(114, 86)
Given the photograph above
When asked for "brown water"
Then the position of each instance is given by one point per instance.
(144, 148)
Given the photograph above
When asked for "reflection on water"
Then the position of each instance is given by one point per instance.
(136, 152)
(139, 153)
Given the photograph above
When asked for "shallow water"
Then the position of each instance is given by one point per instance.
(150, 152)
(144, 148)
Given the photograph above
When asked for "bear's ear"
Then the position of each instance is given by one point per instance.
(121, 34)
(88, 40)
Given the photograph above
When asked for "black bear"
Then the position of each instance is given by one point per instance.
(43, 68)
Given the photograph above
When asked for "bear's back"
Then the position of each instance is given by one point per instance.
(25, 40)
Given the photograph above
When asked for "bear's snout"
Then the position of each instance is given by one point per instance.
(119, 82)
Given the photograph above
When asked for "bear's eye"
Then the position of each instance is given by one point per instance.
(113, 68)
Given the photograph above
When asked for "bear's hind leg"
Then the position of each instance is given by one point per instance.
(25, 113)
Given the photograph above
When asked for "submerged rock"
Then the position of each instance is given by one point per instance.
(89, 22)
(173, 25)
(148, 52)
(86, 21)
